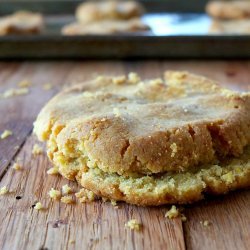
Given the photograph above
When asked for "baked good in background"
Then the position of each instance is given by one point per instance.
(229, 17)
(111, 10)
(105, 27)
(107, 17)
(21, 23)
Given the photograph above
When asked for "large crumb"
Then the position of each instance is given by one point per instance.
(37, 150)
(85, 195)
(53, 171)
(3, 190)
(6, 133)
(24, 83)
(15, 92)
(38, 206)
(67, 199)
(17, 166)
(133, 225)
(54, 194)
(66, 189)
(172, 213)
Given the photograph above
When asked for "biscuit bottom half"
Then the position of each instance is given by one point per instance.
(186, 187)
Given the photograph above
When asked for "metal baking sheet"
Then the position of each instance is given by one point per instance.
(173, 35)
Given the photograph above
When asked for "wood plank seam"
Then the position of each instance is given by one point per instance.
(16, 154)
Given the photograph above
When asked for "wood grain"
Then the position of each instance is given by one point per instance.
(99, 225)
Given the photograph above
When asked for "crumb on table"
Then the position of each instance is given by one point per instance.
(6, 133)
(38, 206)
(133, 225)
(17, 166)
(53, 171)
(172, 213)
(54, 194)
(85, 195)
(3, 190)
(37, 150)
(67, 199)
(66, 189)
(205, 223)
(14, 92)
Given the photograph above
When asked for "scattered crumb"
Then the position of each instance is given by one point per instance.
(6, 133)
(72, 241)
(174, 149)
(205, 223)
(54, 194)
(15, 92)
(66, 189)
(84, 195)
(133, 225)
(133, 78)
(37, 150)
(47, 86)
(17, 166)
(67, 199)
(53, 171)
(24, 83)
(3, 190)
(119, 80)
(116, 112)
(172, 213)
(38, 206)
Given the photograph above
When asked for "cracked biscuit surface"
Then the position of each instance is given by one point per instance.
(131, 127)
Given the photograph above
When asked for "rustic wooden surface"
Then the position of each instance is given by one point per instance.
(99, 225)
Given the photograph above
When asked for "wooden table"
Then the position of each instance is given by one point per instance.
(99, 225)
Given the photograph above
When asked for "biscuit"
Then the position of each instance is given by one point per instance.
(170, 188)
(239, 9)
(105, 27)
(230, 27)
(131, 127)
(112, 10)
(21, 23)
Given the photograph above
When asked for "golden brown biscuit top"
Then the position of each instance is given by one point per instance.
(124, 125)
(97, 11)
